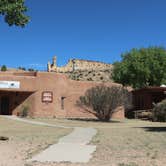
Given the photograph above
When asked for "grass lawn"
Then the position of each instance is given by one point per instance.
(125, 143)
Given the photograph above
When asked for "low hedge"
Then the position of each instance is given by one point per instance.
(159, 111)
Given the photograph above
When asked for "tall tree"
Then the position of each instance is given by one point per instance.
(142, 67)
(14, 12)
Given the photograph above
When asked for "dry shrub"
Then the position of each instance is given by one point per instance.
(24, 111)
(103, 100)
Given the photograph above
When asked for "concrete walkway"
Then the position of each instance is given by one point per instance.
(71, 148)
(33, 122)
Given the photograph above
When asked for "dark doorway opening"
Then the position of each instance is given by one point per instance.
(5, 106)
(11, 100)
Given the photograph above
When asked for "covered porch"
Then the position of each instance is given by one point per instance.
(11, 100)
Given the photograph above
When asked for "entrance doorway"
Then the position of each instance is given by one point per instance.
(5, 106)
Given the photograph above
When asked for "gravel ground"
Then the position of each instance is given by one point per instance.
(125, 143)
(128, 143)
(25, 141)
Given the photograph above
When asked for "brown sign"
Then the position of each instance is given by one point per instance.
(47, 97)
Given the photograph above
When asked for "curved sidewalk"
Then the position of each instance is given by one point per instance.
(71, 148)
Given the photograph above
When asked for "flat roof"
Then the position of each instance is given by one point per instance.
(16, 90)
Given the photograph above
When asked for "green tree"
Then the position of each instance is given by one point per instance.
(3, 68)
(14, 12)
(30, 69)
(22, 68)
(141, 67)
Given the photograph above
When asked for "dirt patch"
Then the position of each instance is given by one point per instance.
(25, 140)
(125, 143)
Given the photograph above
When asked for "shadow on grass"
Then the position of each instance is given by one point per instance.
(154, 129)
(93, 120)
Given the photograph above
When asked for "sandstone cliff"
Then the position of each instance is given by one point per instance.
(84, 70)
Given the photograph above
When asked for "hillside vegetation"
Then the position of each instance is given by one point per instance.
(91, 75)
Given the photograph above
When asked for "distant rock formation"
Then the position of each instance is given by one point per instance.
(77, 65)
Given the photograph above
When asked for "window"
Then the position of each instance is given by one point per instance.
(62, 102)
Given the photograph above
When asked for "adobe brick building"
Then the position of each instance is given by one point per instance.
(46, 94)
(144, 98)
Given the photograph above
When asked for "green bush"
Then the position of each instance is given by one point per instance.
(3, 68)
(30, 69)
(24, 111)
(102, 100)
(159, 111)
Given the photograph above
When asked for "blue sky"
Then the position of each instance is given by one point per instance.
(86, 29)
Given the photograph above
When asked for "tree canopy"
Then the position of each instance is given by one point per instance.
(141, 67)
(14, 12)
(3, 68)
